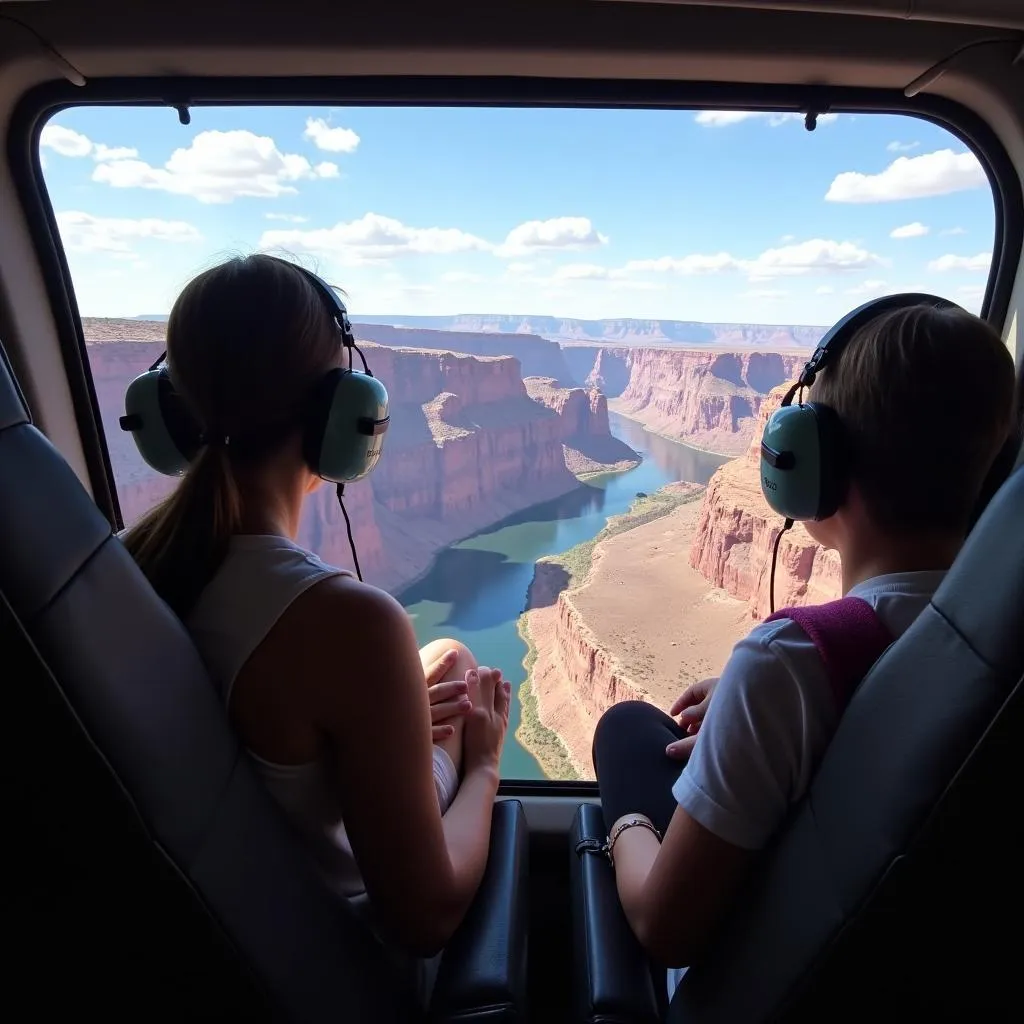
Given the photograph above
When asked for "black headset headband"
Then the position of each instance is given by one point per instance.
(838, 336)
(333, 301)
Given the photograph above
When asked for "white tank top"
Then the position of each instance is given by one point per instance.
(259, 578)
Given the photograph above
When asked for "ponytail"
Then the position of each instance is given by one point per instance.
(180, 543)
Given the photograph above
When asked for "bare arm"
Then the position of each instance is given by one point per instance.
(673, 893)
(421, 872)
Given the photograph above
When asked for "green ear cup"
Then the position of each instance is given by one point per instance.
(166, 436)
(345, 432)
(791, 462)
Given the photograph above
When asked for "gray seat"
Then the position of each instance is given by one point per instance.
(150, 876)
(895, 889)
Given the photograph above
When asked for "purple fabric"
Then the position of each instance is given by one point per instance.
(849, 636)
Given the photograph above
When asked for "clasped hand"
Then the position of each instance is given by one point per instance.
(450, 699)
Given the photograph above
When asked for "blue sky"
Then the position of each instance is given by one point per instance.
(585, 213)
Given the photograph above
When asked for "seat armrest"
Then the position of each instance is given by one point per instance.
(612, 982)
(482, 976)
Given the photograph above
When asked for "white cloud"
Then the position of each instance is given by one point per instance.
(972, 292)
(373, 238)
(334, 140)
(824, 289)
(556, 233)
(914, 230)
(461, 277)
(218, 167)
(290, 218)
(931, 174)
(867, 289)
(65, 141)
(82, 232)
(326, 169)
(635, 286)
(981, 262)
(902, 147)
(816, 255)
(953, 231)
(68, 142)
(585, 272)
(519, 269)
(102, 152)
(695, 263)
(724, 118)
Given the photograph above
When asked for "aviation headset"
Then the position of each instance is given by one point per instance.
(805, 465)
(343, 420)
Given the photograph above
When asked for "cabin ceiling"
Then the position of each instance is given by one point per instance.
(704, 41)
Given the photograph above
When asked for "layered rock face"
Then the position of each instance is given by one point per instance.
(587, 443)
(707, 399)
(606, 369)
(732, 547)
(468, 445)
(538, 356)
(622, 331)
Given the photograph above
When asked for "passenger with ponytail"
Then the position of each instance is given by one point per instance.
(319, 672)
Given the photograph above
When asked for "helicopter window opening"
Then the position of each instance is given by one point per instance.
(581, 315)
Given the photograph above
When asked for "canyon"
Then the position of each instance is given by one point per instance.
(538, 356)
(640, 625)
(470, 443)
(618, 331)
(706, 399)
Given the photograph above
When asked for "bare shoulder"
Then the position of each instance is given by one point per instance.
(345, 605)
(341, 628)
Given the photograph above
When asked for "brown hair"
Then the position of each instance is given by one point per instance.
(926, 399)
(246, 340)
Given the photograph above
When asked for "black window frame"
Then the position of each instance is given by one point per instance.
(40, 104)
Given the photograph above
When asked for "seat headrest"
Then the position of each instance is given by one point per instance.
(983, 593)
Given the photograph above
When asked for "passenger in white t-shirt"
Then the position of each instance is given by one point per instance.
(925, 397)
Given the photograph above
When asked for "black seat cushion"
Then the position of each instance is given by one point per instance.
(154, 870)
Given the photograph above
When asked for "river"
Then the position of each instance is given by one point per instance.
(476, 589)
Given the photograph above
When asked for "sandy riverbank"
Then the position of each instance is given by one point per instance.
(628, 619)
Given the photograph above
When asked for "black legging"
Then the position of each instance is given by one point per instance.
(633, 771)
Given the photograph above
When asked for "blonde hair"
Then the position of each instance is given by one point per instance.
(926, 400)
(246, 341)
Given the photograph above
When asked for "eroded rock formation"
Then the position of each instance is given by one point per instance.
(732, 547)
(538, 356)
(587, 445)
(708, 399)
(621, 331)
(468, 445)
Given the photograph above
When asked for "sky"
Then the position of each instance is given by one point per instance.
(713, 216)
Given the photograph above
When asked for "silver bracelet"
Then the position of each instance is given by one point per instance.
(621, 827)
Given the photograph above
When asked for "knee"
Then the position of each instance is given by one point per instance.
(621, 714)
(618, 720)
(464, 658)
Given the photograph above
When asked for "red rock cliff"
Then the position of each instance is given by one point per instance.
(587, 443)
(707, 399)
(732, 547)
(468, 445)
(538, 356)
